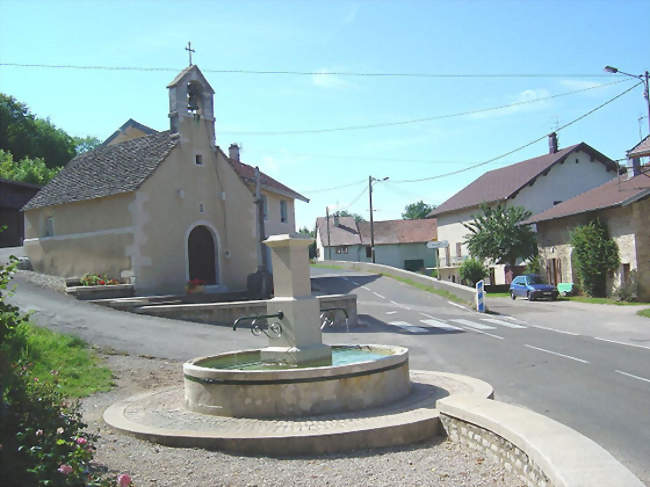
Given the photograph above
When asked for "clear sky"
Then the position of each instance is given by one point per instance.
(569, 40)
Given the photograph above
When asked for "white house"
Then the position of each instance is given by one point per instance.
(536, 184)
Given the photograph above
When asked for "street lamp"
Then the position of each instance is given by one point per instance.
(644, 79)
(372, 222)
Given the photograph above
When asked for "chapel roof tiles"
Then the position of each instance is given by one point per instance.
(106, 171)
(642, 149)
(348, 232)
(247, 173)
(505, 182)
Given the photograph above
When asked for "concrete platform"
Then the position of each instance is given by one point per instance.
(160, 416)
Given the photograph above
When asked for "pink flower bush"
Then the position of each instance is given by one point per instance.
(124, 480)
(81, 441)
(65, 469)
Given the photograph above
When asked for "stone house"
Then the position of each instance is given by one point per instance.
(13, 195)
(398, 243)
(155, 208)
(623, 205)
(536, 184)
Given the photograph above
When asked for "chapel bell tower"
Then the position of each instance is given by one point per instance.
(191, 101)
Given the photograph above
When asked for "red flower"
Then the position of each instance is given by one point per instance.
(102, 282)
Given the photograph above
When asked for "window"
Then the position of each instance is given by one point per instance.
(201, 208)
(368, 251)
(198, 159)
(49, 227)
(341, 250)
(283, 212)
(459, 249)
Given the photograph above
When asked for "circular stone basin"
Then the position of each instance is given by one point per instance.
(239, 384)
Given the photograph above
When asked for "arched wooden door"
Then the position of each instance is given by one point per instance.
(202, 254)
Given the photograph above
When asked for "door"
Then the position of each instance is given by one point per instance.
(202, 253)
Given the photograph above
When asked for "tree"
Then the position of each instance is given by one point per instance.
(357, 218)
(84, 144)
(472, 270)
(497, 234)
(27, 170)
(417, 210)
(595, 256)
(307, 231)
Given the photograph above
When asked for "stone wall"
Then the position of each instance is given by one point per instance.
(495, 448)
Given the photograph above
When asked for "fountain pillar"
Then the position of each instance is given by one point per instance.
(301, 340)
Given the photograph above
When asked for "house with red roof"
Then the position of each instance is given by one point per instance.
(398, 243)
(537, 184)
(159, 209)
(623, 205)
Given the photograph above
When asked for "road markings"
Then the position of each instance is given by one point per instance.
(457, 305)
(556, 330)
(441, 325)
(622, 343)
(486, 333)
(472, 324)
(426, 315)
(409, 327)
(356, 283)
(507, 324)
(632, 375)
(378, 295)
(558, 354)
(514, 319)
(391, 312)
(366, 288)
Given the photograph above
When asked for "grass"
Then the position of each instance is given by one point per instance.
(326, 266)
(589, 299)
(440, 292)
(79, 371)
(644, 312)
(497, 295)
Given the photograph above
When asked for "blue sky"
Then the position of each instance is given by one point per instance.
(571, 40)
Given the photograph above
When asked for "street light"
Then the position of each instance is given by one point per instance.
(644, 79)
(372, 222)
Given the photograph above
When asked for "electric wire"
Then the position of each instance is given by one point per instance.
(310, 73)
(474, 166)
(418, 120)
(321, 190)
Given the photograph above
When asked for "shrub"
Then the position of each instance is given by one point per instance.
(97, 280)
(472, 270)
(596, 255)
(534, 265)
(628, 291)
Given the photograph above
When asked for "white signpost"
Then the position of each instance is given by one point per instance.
(441, 244)
(480, 295)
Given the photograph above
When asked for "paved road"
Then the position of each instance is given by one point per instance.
(546, 358)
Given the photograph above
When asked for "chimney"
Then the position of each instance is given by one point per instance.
(233, 152)
(336, 219)
(552, 143)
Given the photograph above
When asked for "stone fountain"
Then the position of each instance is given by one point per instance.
(296, 395)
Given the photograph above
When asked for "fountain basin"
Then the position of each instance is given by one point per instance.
(381, 377)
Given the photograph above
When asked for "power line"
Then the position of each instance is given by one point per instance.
(422, 119)
(312, 73)
(522, 146)
(321, 190)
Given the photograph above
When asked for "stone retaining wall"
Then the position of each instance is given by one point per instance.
(496, 448)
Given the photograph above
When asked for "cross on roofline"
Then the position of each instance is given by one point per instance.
(190, 50)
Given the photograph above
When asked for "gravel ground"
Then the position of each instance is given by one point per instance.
(438, 462)
(55, 283)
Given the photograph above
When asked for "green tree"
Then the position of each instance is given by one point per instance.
(472, 270)
(357, 218)
(85, 144)
(417, 210)
(497, 234)
(27, 170)
(595, 256)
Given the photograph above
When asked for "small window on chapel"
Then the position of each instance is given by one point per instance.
(49, 227)
(198, 159)
(284, 217)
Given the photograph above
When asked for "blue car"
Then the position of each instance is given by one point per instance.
(533, 287)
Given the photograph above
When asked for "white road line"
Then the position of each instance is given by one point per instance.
(356, 283)
(556, 330)
(391, 312)
(409, 327)
(457, 305)
(485, 333)
(472, 324)
(632, 375)
(622, 343)
(507, 324)
(379, 295)
(558, 354)
(441, 325)
(366, 288)
(514, 319)
(426, 315)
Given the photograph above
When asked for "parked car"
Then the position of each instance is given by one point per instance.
(532, 287)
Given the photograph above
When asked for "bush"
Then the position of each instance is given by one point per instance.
(596, 255)
(42, 437)
(472, 270)
(534, 265)
(628, 291)
(97, 280)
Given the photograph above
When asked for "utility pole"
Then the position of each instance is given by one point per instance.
(645, 79)
(329, 248)
(263, 265)
(372, 219)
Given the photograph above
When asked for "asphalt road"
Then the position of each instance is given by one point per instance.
(587, 366)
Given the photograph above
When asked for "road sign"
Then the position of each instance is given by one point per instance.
(441, 244)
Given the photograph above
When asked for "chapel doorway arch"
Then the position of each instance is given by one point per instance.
(202, 255)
